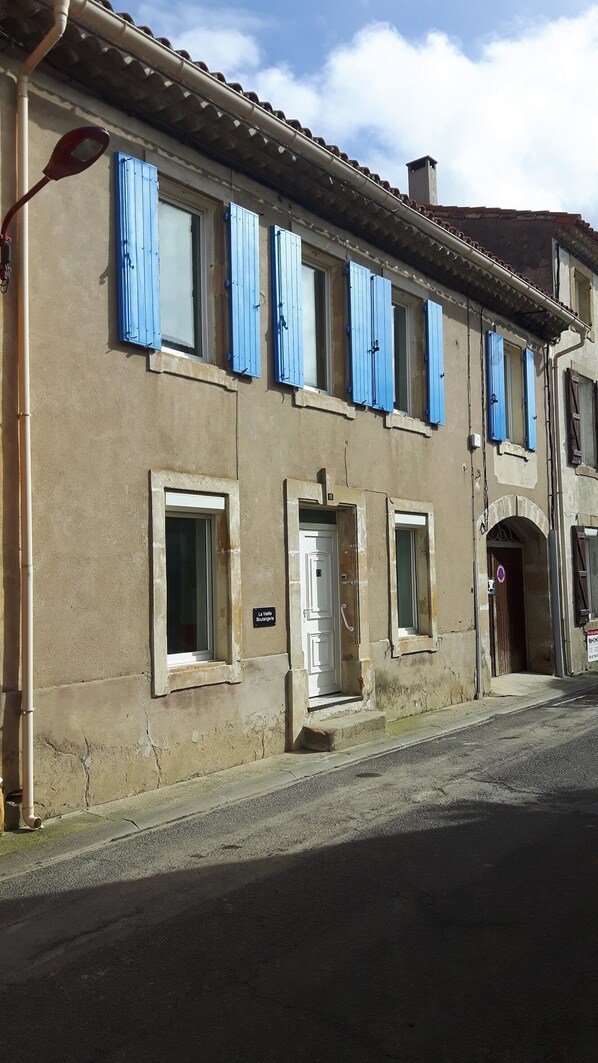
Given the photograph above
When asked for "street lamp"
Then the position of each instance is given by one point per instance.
(75, 151)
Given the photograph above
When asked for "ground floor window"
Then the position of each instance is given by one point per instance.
(190, 521)
(585, 573)
(412, 573)
(196, 584)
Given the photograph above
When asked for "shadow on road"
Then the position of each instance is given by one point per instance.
(469, 934)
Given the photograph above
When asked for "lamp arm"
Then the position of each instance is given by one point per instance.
(5, 238)
(21, 203)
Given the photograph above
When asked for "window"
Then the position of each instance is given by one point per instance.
(412, 576)
(408, 360)
(386, 366)
(300, 311)
(514, 394)
(190, 576)
(511, 379)
(582, 296)
(196, 581)
(315, 326)
(162, 250)
(180, 279)
(582, 421)
(585, 574)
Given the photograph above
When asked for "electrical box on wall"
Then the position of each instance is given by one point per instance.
(475, 441)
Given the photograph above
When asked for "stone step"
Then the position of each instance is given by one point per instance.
(339, 732)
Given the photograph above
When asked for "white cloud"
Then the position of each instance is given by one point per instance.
(512, 128)
(224, 38)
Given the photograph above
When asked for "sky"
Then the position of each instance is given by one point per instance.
(503, 95)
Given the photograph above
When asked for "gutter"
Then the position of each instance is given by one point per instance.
(122, 34)
(61, 10)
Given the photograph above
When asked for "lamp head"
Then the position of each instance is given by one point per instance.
(76, 151)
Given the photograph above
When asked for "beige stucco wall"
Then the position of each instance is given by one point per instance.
(579, 484)
(103, 419)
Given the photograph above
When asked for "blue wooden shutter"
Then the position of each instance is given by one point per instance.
(495, 362)
(360, 334)
(244, 290)
(529, 371)
(382, 352)
(137, 251)
(288, 317)
(435, 360)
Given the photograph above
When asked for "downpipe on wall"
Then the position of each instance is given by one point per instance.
(60, 10)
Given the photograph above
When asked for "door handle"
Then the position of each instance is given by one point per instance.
(348, 626)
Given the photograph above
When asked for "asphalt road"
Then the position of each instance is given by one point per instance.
(433, 904)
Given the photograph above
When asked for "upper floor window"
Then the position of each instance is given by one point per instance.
(301, 313)
(408, 358)
(163, 246)
(386, 355)
(582, 296)
(181, 287)
(511, 379)
(515, 394)
(315, 326)
(582, 406)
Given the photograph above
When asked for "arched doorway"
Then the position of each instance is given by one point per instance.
(506, 594)
(515, 623)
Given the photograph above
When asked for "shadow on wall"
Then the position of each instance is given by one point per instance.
(470, 938)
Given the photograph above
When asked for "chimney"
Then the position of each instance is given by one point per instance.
(422, 180)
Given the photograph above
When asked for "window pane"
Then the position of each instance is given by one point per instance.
(188, 584)
(314, 327)
(401, 359)
(406, 588)
(582, 298)
(515, 394)
(179, 282)
(588, 422)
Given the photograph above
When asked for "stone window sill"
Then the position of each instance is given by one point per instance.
(586, 470)
(179, 365)
(406, 423)
(414, 644)
(315, 400)
(202, 674)
(515, 450)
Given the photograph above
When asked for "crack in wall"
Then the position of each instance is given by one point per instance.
(86, 764)
(155, 749)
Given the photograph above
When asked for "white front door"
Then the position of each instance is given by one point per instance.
(320, 609)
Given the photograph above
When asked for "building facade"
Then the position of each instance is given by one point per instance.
(289, 448)
(559, 252)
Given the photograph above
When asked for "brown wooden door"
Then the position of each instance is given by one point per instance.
(507, 610)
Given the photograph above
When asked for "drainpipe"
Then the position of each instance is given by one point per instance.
(61, 10)
(560, 617)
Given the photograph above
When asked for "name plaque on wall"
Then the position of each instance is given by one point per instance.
(264, 617)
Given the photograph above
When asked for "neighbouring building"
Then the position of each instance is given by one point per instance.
(559, 252)
(288, 430)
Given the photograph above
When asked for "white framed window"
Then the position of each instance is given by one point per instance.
(407, 341)
(412, 576)
(182, 278)
(190, 575)
(316, 328)
(196, 611)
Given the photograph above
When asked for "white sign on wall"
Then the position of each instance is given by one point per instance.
(592, 643)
